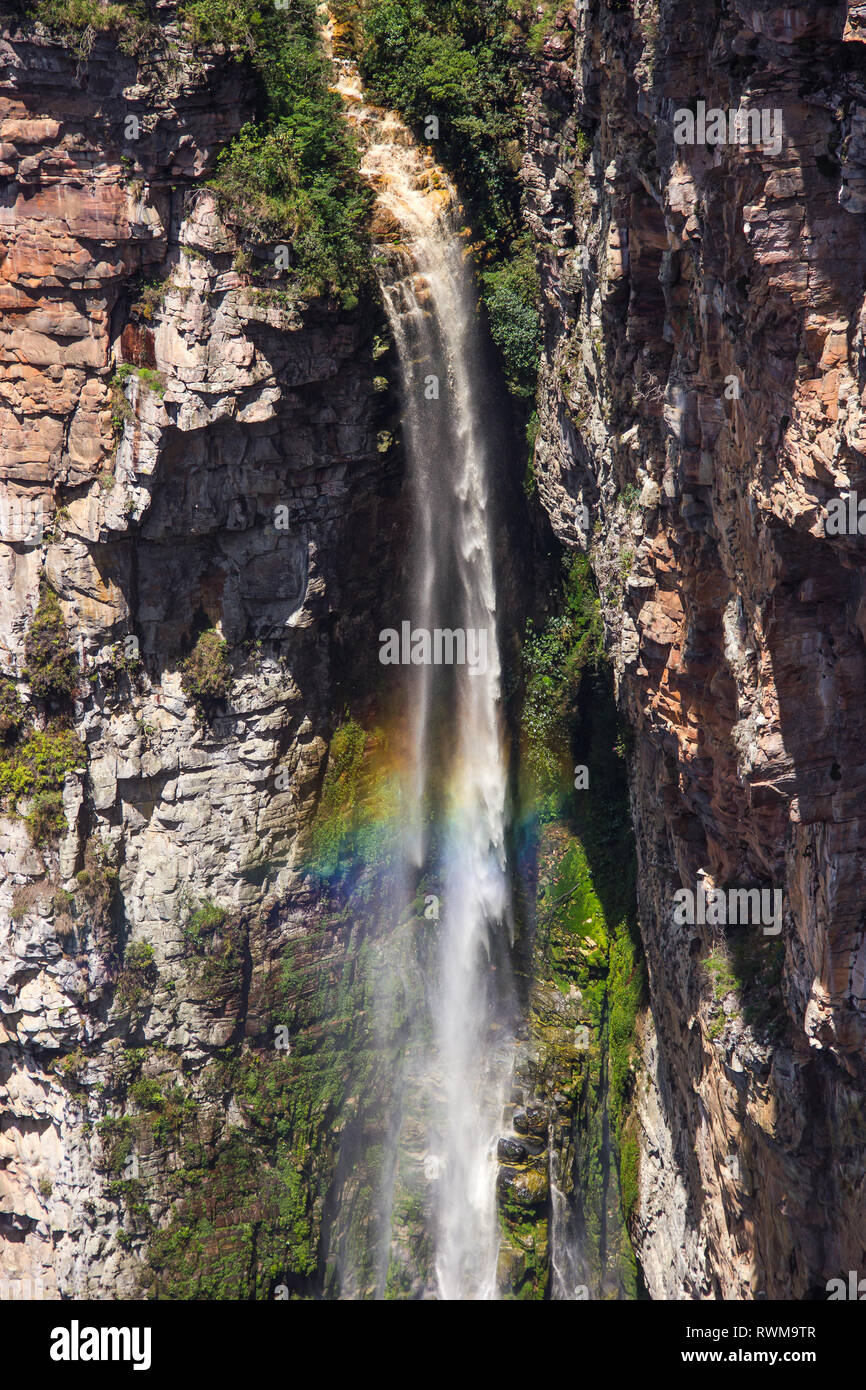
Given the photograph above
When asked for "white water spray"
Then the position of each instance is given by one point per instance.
(457, 762)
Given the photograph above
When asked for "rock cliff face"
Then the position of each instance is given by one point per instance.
(702, 397)
(204, 455)
(207, 455)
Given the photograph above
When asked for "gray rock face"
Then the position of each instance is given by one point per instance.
(240, 489)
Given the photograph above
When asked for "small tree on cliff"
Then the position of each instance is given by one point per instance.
(50, 666)
(206, 675)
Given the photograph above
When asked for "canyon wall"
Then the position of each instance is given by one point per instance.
(209, 454)
(702, 397)
(205, 456)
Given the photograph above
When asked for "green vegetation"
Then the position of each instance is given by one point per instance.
(116, 1137)
(50, 666)
(292, 174)
(625, 996)
(121, 410)
(12, 710)
(96, 886)
(356, 805)
(630, 496)
(146, 297)
(40, 762)
(246, 1204)
(71, 1067)
(166, 1110)
(629, 1171)
(581, 945)
(720, 969)
(749, 966)
(34, 762)
(526, 1232)
(36, 768)
(123, 660)
(586, 937)
(138, 976)
(218, 939)
(206, 675)
(511, 293)
(153, 380)
(529, 483)
(129, 20)
(454, 59)
(202, 921)
(45, 820)
(337, 810)
(554, 663)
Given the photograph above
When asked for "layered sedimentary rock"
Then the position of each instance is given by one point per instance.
(204, 455)
(702, 397)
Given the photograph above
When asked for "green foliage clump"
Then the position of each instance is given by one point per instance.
(720, 969)
(338, 804)
(749, 966)
(147, 296)
(452, 59)
(166, 1109)
(219, 938)
(554, 662)
(121, 410)
(128, 19)
(131, 1192)
(36, 767)
(511, 294)
(291, 175)
(97, 886)
(629, 1175)
(529, 482)
(50, 666)
(206, 675)
(138, 976)
(625, 996)
(39, 763)
(116, 1137)
(208, 917)
(152, 379)
(630, 496)
(12, 711)
(46, 819)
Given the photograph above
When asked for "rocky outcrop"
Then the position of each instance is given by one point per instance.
(194, 449)
(702, 397)
(206, 455)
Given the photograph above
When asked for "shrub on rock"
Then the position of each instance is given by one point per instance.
(50, 666)
(206, 675)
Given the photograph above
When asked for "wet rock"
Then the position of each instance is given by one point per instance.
(527, 1187)
(533, 1119)
(511, 1151)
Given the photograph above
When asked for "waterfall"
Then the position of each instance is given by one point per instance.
(569, 1276)
(455, 782)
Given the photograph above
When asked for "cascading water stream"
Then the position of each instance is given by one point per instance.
(455, 786)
